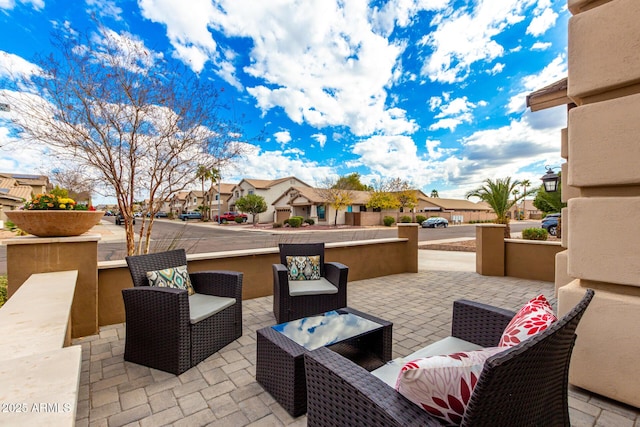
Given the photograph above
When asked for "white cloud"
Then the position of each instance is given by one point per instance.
(10, 4)
(462, 38)
(259, 164)
(497, 69)
(187, 28)
(283, 137)
(105, 8)
(401, 13)
(320, 138)
(541, 46)
(554, 71)
(319, 60)
(451, 112)
(542, 22)
(15, 66)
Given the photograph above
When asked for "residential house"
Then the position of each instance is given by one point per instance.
(177, 202)
(16, 189)
(526, 210)
(221, 194)
(270, 190)
(193, 201)
(309, 203)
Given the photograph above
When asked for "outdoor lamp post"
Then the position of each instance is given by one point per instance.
(550, 180)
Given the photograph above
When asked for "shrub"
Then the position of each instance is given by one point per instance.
(239, 219)
(388, 221)
(286, 221)
(298, 217)
(309, 221)
(295, 221)
(3, 290)
(405, 219)
(277, 225)
(535, 234)
(420, 219)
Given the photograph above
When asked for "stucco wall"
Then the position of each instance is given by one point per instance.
(365, 259)
(602, 222)
(531, 259)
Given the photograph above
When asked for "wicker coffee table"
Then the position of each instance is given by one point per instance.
(360, 337)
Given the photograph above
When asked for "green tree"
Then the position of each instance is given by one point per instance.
(352, 182)
(434, 193)
(498, 195)
(549, 202)
(252, 204)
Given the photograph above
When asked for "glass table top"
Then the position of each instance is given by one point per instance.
(325, 329)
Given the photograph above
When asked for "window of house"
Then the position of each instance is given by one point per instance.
(321, 212)
(349, 208)
(250, 191)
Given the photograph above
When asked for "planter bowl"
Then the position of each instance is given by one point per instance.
(55, 223)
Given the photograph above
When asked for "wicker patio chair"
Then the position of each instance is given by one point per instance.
(523, 385)
(162, 331)
(288, 307)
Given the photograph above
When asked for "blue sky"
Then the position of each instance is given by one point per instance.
(431, 91)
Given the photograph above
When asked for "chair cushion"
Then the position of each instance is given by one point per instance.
(202, 306)
(389, 371)
(442, 385)
(535, 316)
(176, 277)
(311, 287)
(303, 267)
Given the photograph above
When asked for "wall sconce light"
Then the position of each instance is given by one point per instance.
(550, 180)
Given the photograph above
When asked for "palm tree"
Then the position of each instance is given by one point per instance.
(203, 174)
(524, 183)
(434, 193)
(498, 195)
(215, 177)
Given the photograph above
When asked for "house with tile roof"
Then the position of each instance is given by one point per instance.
(308, 202)
(16, 189)
(215, 194)
(270, 190)
(176, 203)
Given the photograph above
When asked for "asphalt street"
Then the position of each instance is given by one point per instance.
(197, 237)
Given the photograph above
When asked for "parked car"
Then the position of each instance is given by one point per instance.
(550, 223)
(190, 215)
(120, 219)
(435, 222)
(161, 214)
(230, 216)
(137, 215)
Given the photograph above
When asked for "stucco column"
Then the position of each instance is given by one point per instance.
(490, 249)
(410, 231)
(29, 255)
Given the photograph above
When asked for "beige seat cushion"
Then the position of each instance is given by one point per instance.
(389, 371)
(311, 287)
(202, 306)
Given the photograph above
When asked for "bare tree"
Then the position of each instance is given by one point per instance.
(77, 182)
(139, 123)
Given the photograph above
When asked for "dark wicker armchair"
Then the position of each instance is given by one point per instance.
(523, 385)
(287, 307)
(160, 331)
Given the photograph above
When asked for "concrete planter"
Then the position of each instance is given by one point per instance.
(55, 223)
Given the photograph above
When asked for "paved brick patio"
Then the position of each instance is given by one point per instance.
(222, 391)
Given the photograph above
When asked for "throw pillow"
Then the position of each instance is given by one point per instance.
(176, 277)
(442, 385)
(303, 267)
(535, 316)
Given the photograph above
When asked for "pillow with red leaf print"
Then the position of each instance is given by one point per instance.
(442, 385)
(535, 316)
